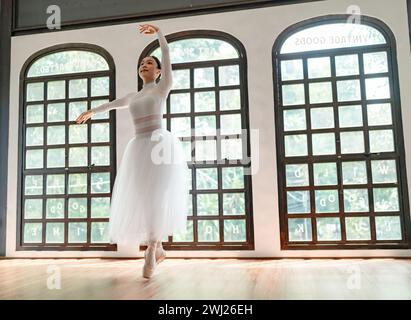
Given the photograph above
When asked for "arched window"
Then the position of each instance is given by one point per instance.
(66, 169)
(340, 150)
(208, 110)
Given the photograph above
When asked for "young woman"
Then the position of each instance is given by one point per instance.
(150, 193)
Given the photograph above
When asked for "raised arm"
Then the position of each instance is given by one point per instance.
(115, 104)
(166, 81)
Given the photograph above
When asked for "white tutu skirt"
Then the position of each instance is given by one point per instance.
(150, 193)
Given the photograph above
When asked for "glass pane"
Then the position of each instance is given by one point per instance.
(56, 90)
(35, 91)
(207, 204)
(77, 183)
(181, 79)
(388, 228)
(55, 209)
(377, 88)
(320, 92)
(233, 204)
(319, 67)
(100, 207)
(179, 102)
(204, 77)
(234, 230)
(100, 156)
(346, 65)
(206, 178)
(78, 157)
(348, 90)
(381, 141)
(292, 69)
(386, 199)
(230, 124)
(384, 171)
(56, 158)
(295, 145)
(77, 232)
(32, 232)
(35, 113)
(322, 118)
(325, 174)
(296, 175)
(231, 149)
(34, 136)
(55, 232)
(190, 204)
(56, 135)
(55, 184)
(347, 145)
(357, 228)
(69, 61)
(204, 101)
(100, 132)
(33, 185)
(34, 159)
(326, 201)
(99, 232)
(56, 112)
(233, 177)
(205, 150)
(331, 36)
(379, 114)
(78, 133)
(205, 49)
(76, 108)
(181, 127)
(185, 236)
(100, 86)
(230, 99)
(101, 115)
(77, 208)
(100, 182)
(328, 229)
(187, 150)
(323, 143)
(356, 200)
(208, 230)
(354, 172)
(229, 75)
(350, 116)
(33, 208)
(205, 125)
(375, 62)
(78, 88)
(298, 202)
(294, 120)
(293, 94)
(299, 229)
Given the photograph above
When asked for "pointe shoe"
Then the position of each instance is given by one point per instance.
(150, 262)
(160, 253)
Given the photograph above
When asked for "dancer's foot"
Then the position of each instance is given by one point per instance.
(150, 260)
(160, 252)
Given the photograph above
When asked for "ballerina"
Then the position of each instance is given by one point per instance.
(150, 192)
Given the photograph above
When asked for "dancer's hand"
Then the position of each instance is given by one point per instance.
(82, 118)
(148, 28)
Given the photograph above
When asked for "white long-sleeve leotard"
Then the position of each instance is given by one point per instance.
(146, 105)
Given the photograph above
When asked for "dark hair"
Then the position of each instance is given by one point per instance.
(158, 66)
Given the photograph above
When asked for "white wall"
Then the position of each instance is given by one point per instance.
(257, 29)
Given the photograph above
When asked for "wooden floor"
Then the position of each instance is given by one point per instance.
(206, 279)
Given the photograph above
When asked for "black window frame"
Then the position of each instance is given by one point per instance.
(397, 127)
(244, 111)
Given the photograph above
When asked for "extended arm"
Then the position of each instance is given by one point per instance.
(166, 81)
(115, 104)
